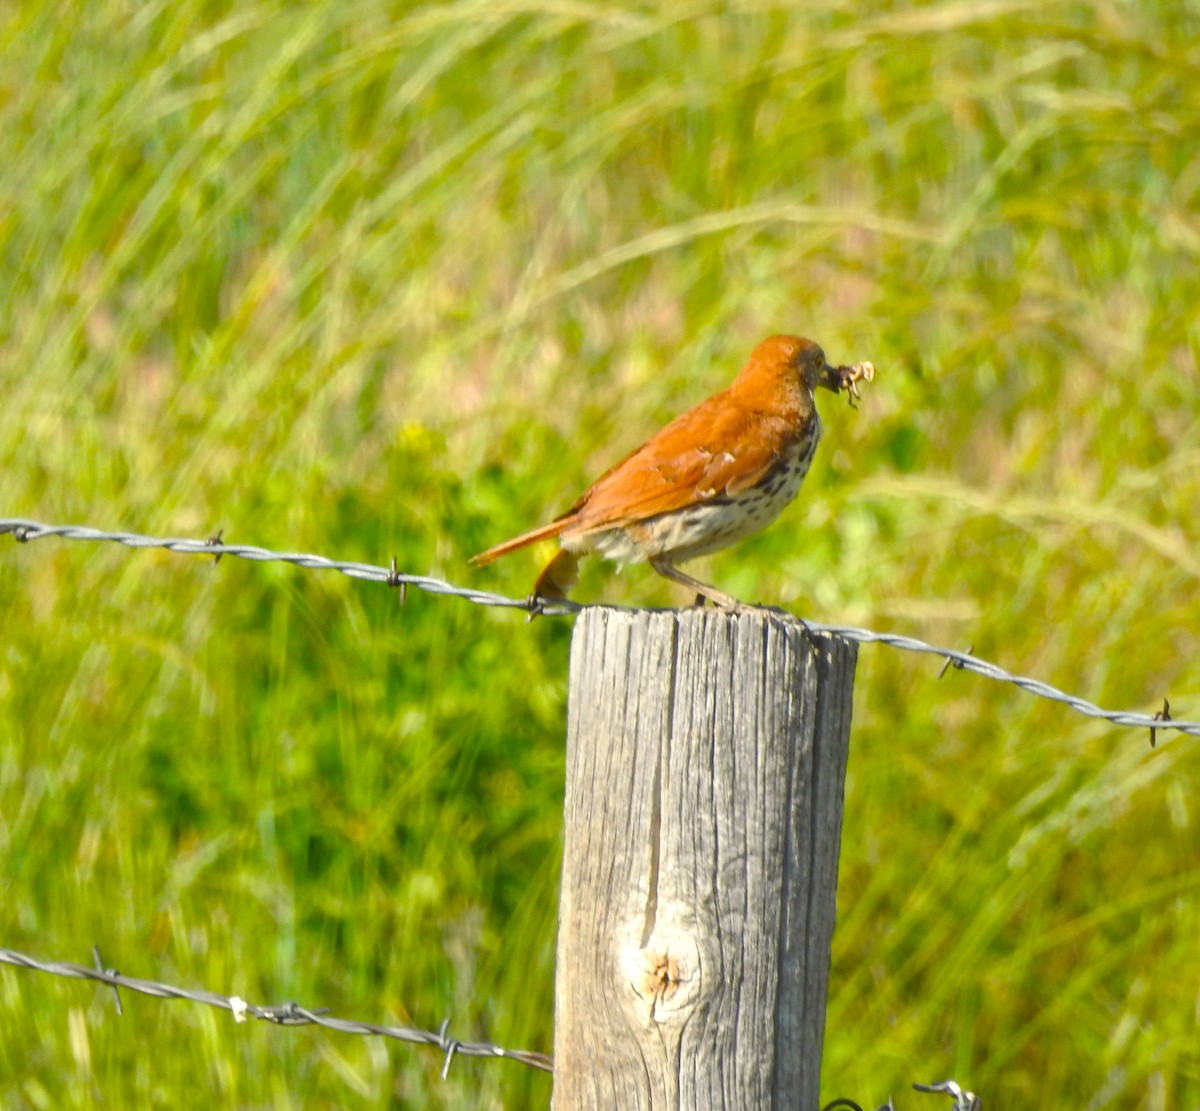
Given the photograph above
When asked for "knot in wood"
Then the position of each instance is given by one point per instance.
(663, 977)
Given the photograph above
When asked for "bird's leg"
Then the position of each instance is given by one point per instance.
(670, 571)
(557, 577)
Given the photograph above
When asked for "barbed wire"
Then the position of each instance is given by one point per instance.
(963, 1100)
(284, 1014)
(26, 530)
(292, 1014)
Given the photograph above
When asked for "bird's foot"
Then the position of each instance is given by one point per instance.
(535, 606)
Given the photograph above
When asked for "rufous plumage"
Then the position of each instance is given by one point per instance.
(714, 475)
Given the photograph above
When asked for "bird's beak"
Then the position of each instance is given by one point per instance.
(846, 378)
(835, 378)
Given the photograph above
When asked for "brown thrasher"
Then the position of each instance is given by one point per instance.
(714, 475)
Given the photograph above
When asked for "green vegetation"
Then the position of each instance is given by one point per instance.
(373, 279)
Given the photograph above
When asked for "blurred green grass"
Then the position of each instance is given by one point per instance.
(374, 279)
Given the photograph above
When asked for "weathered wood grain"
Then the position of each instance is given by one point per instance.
(706, 754)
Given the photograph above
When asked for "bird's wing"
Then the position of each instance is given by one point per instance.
(717, 448)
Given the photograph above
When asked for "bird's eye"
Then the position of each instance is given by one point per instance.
(819, 360)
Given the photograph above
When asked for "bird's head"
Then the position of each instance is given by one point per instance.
(801, 360)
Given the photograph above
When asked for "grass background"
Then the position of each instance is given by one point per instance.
(367, 279)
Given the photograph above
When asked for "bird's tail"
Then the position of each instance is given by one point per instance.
(546, 532)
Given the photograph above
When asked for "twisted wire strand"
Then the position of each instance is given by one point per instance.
(292, 1014)
(964, 661)
(27, 530)
(285, 1014)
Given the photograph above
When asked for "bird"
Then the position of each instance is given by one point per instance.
(718, 473)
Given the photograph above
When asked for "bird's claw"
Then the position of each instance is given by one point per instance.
(535, 606)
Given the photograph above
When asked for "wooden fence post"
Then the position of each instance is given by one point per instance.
(706, 754)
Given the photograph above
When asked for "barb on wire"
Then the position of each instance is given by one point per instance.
(285, 1014)
(1160, 715)
(951, 662)
(963, 1100)
(26, 530)
(213, 541)
(108, 972)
